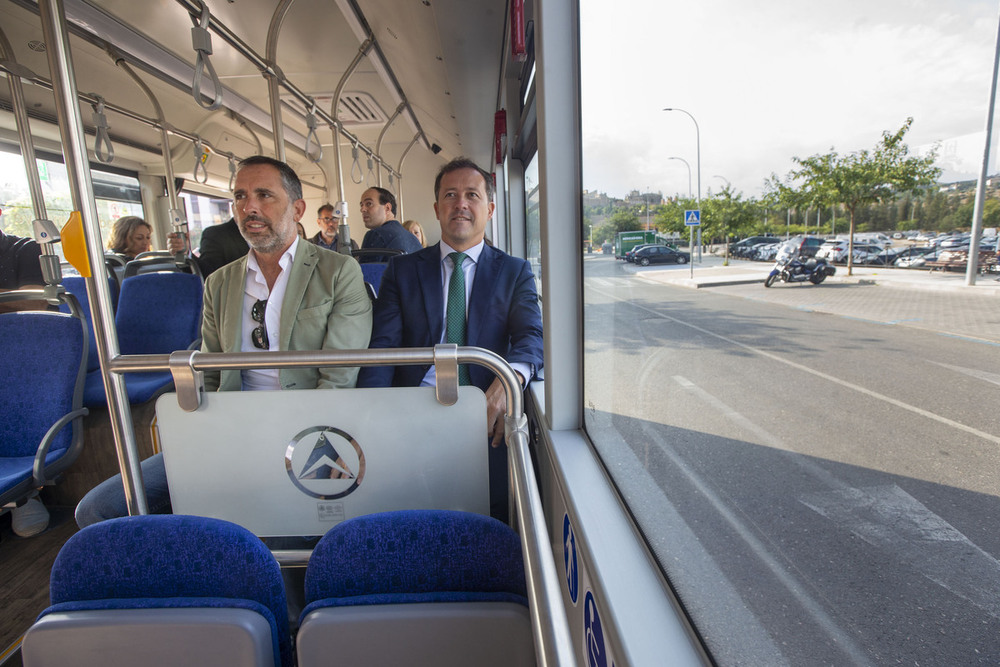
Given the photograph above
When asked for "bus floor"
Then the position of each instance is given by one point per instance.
(24, 576)
(25, 563)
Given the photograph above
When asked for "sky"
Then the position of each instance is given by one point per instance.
(772, 80)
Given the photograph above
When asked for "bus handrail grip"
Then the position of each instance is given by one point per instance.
(549, 623)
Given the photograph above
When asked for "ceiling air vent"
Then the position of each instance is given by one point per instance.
(356, 108)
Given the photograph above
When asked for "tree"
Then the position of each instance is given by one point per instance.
(862, 178)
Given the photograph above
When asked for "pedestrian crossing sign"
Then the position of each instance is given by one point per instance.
(692, 218)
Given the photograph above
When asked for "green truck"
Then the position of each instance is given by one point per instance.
(625, 241)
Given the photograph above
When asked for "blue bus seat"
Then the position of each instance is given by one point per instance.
(434, 587)
(158, 313)
(372, 272)
(159, 590)
(76, 286)
(43, 365)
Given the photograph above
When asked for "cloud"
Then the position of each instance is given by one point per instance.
(770, 82)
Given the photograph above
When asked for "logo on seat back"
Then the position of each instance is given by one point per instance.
(325, 462)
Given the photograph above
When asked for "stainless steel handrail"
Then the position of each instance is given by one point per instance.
(553, 643)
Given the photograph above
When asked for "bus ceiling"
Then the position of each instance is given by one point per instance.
(440, 59)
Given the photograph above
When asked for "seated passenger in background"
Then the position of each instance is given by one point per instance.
(495, 306)
(378, 210)
(130, 235)
(244, 311)
(301, 231)
(414, 228)
(329, 229)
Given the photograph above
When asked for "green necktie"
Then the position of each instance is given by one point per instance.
(455, 318)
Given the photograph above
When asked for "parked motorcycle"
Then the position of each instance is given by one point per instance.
(790, 267)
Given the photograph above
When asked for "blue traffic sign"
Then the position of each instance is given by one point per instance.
(692, 218)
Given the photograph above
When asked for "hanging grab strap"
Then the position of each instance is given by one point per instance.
(101, 126)
(356, 165)
(232, 172)
(370, 178)
(312, 137)
(200, 158)
(201, 40)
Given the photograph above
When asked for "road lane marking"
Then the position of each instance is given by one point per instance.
(890, 519)
(973, 372)
(885, 517)
(844, 383)
(780, 567)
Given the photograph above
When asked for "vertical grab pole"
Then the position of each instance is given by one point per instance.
(399, 199)
(274, 76)
(51, 271)
(82, 190)
(23, 132)
(381, 136)
(178, 221)
(344, 233)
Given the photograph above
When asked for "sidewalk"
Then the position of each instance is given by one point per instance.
(711, 273)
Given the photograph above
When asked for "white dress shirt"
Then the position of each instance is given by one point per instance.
(255, 289)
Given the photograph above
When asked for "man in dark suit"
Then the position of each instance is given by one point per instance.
(501, 305)
(378, 212)
(220, 245)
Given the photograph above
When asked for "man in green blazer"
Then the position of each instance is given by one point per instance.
(286, 294)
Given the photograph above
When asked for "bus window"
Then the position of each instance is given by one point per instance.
(116, 195)
(203, 211)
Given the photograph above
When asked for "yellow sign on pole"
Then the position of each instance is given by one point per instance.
(75, 245)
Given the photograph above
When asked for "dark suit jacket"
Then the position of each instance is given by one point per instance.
(220, 245)
(503, 314)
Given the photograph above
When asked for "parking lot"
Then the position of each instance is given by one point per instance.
(934, 301)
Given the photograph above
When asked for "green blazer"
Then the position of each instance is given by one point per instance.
(325, 307)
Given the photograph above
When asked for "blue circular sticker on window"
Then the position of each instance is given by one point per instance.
(593, 634)
(569, 560)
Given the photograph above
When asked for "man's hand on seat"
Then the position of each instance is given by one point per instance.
(496, 408)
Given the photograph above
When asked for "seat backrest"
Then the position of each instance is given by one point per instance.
(159, 313)
(76, 286)
(159, 260)
(42, 378)
(372, 272)
(155, 576)
(447, 586)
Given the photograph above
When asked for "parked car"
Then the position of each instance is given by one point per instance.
(765, 252)
(660, 254)
(807, 246)
(833, 250)
(917, 260)
(743, 247)
(630, 254)
(866, 252)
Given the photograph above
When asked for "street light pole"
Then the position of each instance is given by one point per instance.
(690, 194)
(729, 192)
(697, 133)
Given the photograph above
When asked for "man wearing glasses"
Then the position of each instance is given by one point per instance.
(284, 295)
(329, 226)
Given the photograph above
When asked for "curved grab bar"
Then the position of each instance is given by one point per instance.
(549, 624)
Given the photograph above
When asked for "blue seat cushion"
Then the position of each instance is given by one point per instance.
(414, 552)
(17, 469)
(140, 387)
